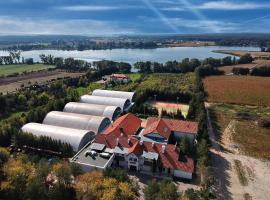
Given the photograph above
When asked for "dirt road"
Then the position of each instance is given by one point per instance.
(228, 186)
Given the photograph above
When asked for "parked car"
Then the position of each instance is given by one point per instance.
(105, 155)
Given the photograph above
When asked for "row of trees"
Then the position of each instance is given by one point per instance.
(189, 65)
(14, 57)
(258, 71)
(24, 140)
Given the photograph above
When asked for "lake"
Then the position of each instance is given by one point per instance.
(134, 55)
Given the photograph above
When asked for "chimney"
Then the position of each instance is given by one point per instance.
(121, 134)
(141, 142)
(128, 140)
(163, 148)
(153, 144)
(117, 141)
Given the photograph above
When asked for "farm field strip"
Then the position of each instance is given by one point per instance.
(243, 90)
(20, 68)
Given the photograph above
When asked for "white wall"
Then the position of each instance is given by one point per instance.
(182, 174)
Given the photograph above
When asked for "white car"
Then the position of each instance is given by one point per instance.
(105, 155)
(93, 153)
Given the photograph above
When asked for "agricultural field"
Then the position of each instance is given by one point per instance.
(243, 90)
(169, 107)
(20, 68)
(254, 64)
(11, 84)
(240, 127)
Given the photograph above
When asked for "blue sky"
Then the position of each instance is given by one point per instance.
(108, 17)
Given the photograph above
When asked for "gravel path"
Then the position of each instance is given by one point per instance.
(228, 186)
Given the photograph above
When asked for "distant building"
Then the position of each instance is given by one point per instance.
(120, 145)
(117, 78)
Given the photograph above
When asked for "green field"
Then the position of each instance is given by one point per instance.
(20, 68)
(134, 76)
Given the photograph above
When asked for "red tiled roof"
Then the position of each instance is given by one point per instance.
(176, 125)
(169, 159)
(112, 137)
(123, 76)
(129, 123)
(136, 149)
(159, 127)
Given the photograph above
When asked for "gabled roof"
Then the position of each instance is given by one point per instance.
(159, 127)
(120, 76)
(176, 125)
(136, 149)
(128, 124)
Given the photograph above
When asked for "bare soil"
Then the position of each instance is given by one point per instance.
(11, 84)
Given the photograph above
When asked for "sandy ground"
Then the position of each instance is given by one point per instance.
(228, 186)
(13, 84)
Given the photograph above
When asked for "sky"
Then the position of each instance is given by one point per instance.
(133, 17)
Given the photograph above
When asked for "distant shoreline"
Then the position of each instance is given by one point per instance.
(254, 54)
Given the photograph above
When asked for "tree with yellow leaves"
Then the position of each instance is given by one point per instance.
(18, 175)
(94, 185)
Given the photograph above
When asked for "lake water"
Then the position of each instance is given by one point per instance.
(133, 55)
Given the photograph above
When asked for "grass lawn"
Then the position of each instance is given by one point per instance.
(20, 68)
(243, 90)
(134, 76)
(253, 139)
(89, 88)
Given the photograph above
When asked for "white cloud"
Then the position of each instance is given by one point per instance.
(173, 9)
(200, 25)
(96, 8)
(228, 5)
(17, 26)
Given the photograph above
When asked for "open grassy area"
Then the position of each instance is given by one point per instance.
(244, 90)
(20, 68)
(86, 90)
(134, 76)
(252, 139)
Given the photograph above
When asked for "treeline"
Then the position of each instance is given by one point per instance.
(258, 71)
(82, 45)
(208, 65)
(197, 111)
(32, 106)
(24, 140)
(100, 68)
(14, 57)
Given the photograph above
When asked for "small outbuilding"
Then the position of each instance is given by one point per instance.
(124, 104)
(96, 124)
(75, 137)
(112, 112)
(113, 93)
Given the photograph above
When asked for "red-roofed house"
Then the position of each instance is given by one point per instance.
(119, 78)
(128, 151)
(160, 129)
